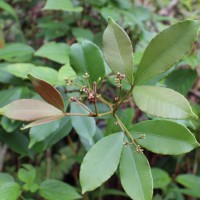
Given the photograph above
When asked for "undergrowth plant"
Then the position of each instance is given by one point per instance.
(125, 149)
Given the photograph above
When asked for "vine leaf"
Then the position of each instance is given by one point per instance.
(162, 102)
(135, 173)
(48, 92)
(166, 49)
(101, 162)
(117, 49)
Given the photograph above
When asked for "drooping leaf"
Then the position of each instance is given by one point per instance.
(135, 174)
(117, 50)
(10, 191)
(165, 137)
(16, 52)
(61, 5)
(166, 49)
(160, 178)
(48, 92)
(87, 57)
(6, 6)
(84, 126)
(101, 162)
(29, 110)
(5, 178)
(58, 52)
(162, 102)
(54, 190)
(191, 182)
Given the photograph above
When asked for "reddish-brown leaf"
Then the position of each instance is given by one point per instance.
(48, 92)
(29, 110)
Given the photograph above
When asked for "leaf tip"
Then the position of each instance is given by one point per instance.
(110, 20)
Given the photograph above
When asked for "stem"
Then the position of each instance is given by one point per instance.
(48, 158)
(77, 114)
(2, 155)
(123, 99)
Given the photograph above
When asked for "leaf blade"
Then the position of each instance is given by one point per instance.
(29, 110)
(176, 41)
(48, 92)
(101, 162)
(162, 102)
(117, 49)
(135, 173)
(165, 137)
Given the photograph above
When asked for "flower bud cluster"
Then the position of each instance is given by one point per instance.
(118, 79)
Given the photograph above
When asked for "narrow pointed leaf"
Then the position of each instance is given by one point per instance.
(162, 102)
(101, 162)
(165, 137)
(135, 174)
(48, 92)
(166, 49)
(29, 110)
(117, 50)
(43, 121)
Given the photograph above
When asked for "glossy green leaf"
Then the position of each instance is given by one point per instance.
(87, 57)
(101, 162)
(165, 137)
(54, 190)
(48, 92)
(6, 6)
(16, 52)
(27, 173)
(190, 181)
(176, 79)
(82, 33)
(117, 50)
(10, 191)
(162, 102)
(84, 126)
(29, 110)
(160, 178)
(58, 52)
(166, 49)
(135, 174)
(61, 5)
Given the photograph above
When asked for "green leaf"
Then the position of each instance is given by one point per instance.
(160, 178)
(165, 137)
(58, 52)
(101, 162)
(135, 174)
(29, 110)
(87, 57)
(45, 135)
(5, 178)
(48, 92)
(190, 181)
(175, 80)
(5, 6)
(81, 33)
(162, 102)
(16, 52)
(166, 49)
(65, 72)
(54, 190)
(10, 191)
(117, 50)
(84, 126)
(27, 174)
(21, 70)
(61, 5)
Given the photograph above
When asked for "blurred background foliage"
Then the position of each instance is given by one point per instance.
(35, 37)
